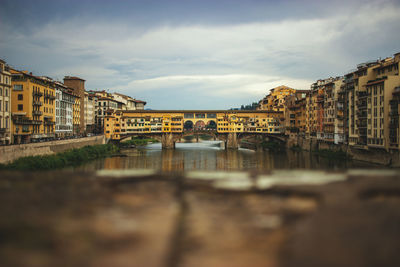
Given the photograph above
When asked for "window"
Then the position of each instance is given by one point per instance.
(18, 87)
(20, 107)
(20, 96)
(6, 92)
(6, 106)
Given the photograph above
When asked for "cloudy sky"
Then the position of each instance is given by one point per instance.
(196, 54)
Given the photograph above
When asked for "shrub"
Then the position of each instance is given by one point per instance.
(72, 157)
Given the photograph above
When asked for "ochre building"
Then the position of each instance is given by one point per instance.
(33, 107)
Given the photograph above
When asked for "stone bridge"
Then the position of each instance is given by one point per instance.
(229, 126)
(230, 140)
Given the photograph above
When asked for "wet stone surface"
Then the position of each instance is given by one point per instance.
(143, 218)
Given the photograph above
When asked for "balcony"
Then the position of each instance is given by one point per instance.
(362, 94)
(37, 93)
(362, 124)
(21, 120)
(2, 130)
(37, 113)
(46, 122)
(37, 103)
(362, 115)
(49, 96)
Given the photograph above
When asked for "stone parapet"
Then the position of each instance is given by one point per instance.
(13, 152)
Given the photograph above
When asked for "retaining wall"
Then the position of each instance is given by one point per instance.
(372, 155)
(13, 152)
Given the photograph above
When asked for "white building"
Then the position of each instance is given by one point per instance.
(90, 110)
(5, 104)
(65, 100)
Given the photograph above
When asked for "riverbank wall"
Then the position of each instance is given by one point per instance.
(375, 156)
(13, 152)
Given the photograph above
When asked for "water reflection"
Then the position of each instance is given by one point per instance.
(208, 155)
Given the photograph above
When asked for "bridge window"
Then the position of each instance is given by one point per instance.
(200, 115)
(189, 115)
(211, 115)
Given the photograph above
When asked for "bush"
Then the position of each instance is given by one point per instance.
(137, 141)
(72, 157)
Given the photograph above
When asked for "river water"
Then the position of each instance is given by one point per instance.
(208, 155)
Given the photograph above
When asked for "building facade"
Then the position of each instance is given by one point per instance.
(90, 109)
(78, 85)
(6, 136)
(33, 108)
(65, 100)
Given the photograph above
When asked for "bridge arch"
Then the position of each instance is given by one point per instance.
(211, 125)
(199, 125)
(188, 125)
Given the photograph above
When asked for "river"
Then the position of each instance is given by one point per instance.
(208, 155)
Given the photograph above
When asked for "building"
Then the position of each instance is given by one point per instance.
(275, 100)
(76, 115)
(90, 110)
(33, 107)
(372, 111)
(127, 102)
(139, 104)
(65, 100)
(295, 113)
(78, 85)
(339, 131)
(381, 94)
(5, 104)
(104, 104)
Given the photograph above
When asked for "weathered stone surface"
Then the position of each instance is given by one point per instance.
(232, 141)
(168, 140)
(139, 218)
(13, 152)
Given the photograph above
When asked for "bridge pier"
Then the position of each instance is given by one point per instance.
(232, 141)
(168, 140)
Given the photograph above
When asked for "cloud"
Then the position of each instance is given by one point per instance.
(168, 65)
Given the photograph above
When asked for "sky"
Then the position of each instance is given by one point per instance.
(203, 54)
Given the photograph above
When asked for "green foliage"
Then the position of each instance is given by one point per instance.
(72, 157)
(137, 141)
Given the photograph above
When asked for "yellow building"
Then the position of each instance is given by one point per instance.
(295, 113)
(275, 100)
(33, 107)
(124, 123)
(76, 117)
(372, 104)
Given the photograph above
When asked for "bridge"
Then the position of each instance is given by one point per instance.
(169, 126)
